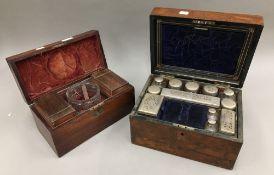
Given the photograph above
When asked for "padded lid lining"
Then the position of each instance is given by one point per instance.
(203, 45)
(46, 71)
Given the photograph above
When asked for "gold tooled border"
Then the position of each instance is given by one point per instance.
(241, 59)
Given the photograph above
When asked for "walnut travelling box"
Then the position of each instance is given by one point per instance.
(203, 50)
(44, 75)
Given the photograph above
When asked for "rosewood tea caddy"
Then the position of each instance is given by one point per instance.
(44, 75)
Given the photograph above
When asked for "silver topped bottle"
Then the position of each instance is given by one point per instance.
(175, 84)
(229, 93)
(154, 89)
(192, 86)
(210, 90)
(159, 81)
(212, 116)
(228, 103)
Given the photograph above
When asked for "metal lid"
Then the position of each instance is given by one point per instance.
(229, 92)
(175, 83)
(212, 111)
(154, 89)
(210, 90)
(192, 86)
(228, 103)
(158, 79)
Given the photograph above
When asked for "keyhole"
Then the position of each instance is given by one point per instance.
(182, 134)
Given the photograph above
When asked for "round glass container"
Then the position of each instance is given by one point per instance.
(83, 95)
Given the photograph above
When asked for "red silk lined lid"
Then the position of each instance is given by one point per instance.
(53, 66)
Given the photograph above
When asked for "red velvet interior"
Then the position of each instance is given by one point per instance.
(57, 67)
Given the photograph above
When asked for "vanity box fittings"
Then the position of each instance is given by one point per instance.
(70, 90)
(203, 57)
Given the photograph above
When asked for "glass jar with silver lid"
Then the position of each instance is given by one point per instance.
(192, 86)
(160, 81)
(212, 115)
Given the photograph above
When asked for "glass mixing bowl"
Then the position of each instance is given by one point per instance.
(83, 95)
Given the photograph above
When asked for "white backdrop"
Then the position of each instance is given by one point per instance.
(124, 30)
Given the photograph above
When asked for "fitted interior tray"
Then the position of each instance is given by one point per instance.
(56, 110)
(193, 125)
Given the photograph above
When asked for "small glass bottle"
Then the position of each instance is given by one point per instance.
(212, 117)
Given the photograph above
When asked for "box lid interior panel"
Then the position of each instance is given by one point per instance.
(203, 49)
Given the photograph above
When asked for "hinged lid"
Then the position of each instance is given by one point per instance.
(209, 46)
(53, 66)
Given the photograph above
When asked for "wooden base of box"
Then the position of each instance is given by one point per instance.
(66, 137)
(184, 143)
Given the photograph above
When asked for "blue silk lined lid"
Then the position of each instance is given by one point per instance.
(207, 49)
(215, 51)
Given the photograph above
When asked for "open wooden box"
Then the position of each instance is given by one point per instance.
(209, 48)
(44, 74)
